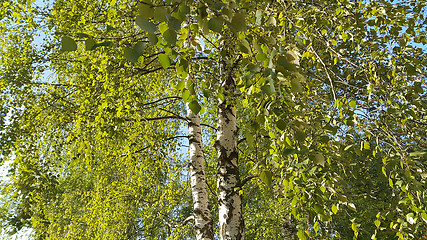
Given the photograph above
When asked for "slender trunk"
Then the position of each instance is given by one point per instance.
(231, 224)
(202, 214)
(289, 229)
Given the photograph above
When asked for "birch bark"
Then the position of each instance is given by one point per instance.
(231, 224)
(202, 215)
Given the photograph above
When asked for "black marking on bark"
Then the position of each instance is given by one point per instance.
(193, 139)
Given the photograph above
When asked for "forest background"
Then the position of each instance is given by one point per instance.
(306, 119)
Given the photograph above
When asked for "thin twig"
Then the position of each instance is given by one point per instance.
(327, 73)
(247, 179)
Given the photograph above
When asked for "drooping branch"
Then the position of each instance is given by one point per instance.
(161, 99)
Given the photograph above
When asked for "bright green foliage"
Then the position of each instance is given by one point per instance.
(331, 105)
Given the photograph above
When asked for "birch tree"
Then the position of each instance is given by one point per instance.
(302, 95)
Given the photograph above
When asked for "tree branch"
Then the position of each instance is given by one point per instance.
(185, 221)
(209, 126)
(247, 179)
(161, 99)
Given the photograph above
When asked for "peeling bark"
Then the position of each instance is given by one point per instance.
(231, 224)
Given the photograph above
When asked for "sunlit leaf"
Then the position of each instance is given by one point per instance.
(334, 209)
(164, 60)
(319, 159)
(267, 177)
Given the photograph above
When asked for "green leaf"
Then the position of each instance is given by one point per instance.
(289, 151)
(318, 209)
(89, 44)
(296, 86)
(377, 223)
(348, 147)
(202, 12)
(300, 136)
(355, 227)
(215, 24)
(160, 14)
(266, 89)
(244, 46)
(180, 85)
(238, 23)
(366, 145)
(288, 62)
(411, 70)
(261, 56)
(424, 216)
(334, 208)
(152, 38)
(145, 24)
(352, 104)
(178, 15)
(186, 95)
(267, 177)
(170, 36)
(345, 37)
(281, 124)
(145, 11)
(184, 9)
(164, 60)
(316, 226)
(319, 159)
(139, 48)
(195, 107)
(132, 54)
(301, 235)
(174, 24)
(250, 139)
(217, 6)
(68, 44)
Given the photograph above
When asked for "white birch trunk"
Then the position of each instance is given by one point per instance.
(202, 215)
(231, 224)
(201, 212)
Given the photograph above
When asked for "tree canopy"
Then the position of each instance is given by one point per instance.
(301, 119)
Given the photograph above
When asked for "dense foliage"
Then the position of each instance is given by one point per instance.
(330, 104)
